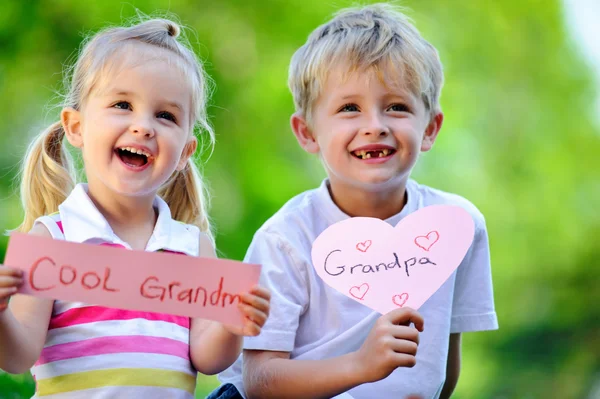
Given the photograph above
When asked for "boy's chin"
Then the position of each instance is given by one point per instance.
(371, 184)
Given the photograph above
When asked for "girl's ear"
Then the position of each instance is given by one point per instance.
(432, 131)
(188, 151)
(70, 119)
(303, 133)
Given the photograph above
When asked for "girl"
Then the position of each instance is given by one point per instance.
(135, 96)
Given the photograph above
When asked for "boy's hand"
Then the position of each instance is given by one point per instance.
(392, 343)
(10, 280)
(255, 307)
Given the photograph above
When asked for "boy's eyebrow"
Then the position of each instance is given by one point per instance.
(126, 93)
(351, 96)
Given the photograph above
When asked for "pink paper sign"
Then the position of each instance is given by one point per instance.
(136, 280)
(385, 267)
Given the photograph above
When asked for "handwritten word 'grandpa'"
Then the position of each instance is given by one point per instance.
(364, 268)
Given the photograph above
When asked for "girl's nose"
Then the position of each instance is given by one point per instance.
(142, 127)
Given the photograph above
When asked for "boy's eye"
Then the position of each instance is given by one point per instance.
(167, 115)
(398, 108)
(122, 105)
(349, 108)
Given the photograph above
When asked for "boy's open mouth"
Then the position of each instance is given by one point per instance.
(132, 156)
(367, 154)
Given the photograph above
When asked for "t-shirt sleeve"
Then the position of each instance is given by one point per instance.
(473, 303)
(289, 292)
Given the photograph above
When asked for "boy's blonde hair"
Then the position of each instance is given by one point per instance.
(378, 37)
(48, 172)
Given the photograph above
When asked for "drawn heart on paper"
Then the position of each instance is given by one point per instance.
(400, 300)
(404, 265)
(360, 291)
(363, 246)
(427, 241)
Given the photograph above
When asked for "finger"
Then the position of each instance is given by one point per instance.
(252, 329)
(253, 314)
(261, 292)
(7, 292)
(405, 316)
(404, 360)
(406, 333)
(10, 281)
(10, 271)
(404, 346)
(255, 301)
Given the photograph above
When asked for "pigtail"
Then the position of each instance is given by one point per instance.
(186, 195)
(48, 175)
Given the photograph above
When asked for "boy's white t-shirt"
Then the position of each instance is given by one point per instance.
(313, 321)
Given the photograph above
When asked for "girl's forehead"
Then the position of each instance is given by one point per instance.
(128, 57)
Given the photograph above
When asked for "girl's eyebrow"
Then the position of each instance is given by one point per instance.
(125, 93)
(175, 105)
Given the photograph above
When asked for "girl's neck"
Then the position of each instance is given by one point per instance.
(376, 204)
(132, 219)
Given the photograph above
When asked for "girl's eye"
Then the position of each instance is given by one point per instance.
(349, 108)
(399, 108)
(167, 115)
(122, 105)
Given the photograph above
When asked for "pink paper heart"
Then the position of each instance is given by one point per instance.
(404, 265)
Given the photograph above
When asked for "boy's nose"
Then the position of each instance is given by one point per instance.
(375, 127)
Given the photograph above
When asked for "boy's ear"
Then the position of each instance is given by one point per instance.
(70, 119)
(431, 132)
(303, 133)
(188, 151)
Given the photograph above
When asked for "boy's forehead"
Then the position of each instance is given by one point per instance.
(395, 80)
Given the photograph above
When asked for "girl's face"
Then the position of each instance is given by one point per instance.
(134, 129)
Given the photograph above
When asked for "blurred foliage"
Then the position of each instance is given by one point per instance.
(519, 140)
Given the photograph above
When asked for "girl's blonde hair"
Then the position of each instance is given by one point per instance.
(48, 172)
(377, 36)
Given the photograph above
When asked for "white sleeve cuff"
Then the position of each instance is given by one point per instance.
(281, 341)
(476, 322)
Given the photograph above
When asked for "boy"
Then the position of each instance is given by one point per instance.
(366, 88)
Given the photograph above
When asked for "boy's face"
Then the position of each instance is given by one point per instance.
(368, 135)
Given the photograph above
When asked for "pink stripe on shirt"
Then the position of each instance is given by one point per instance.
(90, 314)
(118, 344)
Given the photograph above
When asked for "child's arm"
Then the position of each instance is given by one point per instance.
(392, 343)
(23, 325)
(214, 346)
(452, 366)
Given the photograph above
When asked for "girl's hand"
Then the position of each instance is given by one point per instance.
(10, 280)
(254, 306)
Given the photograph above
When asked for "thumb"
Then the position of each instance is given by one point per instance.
(406, 316)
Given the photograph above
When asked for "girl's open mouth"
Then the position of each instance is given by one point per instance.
(133, 157)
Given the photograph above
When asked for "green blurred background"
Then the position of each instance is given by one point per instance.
(521, 140)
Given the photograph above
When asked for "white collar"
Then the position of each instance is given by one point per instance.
(82, 222)
(334, 214)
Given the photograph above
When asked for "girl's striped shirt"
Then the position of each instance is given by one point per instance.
(98, 352)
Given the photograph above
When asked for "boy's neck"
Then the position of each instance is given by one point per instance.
(381, 204)
(132, 219)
